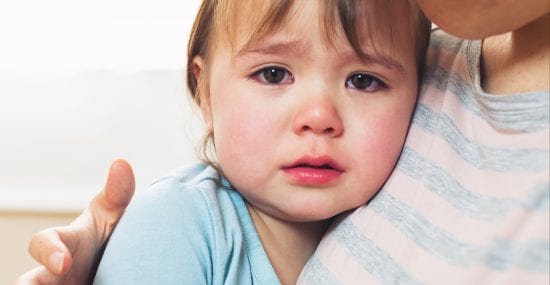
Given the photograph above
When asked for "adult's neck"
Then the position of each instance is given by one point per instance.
(288, 244)
(518, 61)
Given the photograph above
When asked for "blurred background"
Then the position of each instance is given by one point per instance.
(81, 84)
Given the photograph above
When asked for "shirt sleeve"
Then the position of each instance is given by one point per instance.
(164, 237)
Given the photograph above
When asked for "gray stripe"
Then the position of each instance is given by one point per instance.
(480, 156)
(373, 259)
(470, 203)
(538, 199)
(315, 272)
(442, 41)
(526, 112)
(500, 254)
(532, 256)
(413, 225)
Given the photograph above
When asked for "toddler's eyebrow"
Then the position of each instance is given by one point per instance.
(381, 59)
(279, 48)
(300, 47)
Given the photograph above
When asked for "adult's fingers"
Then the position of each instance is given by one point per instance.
(38, 276)
(55, 248)
(52, 248)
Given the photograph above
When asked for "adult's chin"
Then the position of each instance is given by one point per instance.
(478, 19)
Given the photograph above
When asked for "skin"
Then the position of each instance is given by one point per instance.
(261, 127)
(78, 243)
(506, 57)
(478, 19)
(515, 39)
(457, 17)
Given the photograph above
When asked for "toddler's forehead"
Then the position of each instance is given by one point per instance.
(378, 24)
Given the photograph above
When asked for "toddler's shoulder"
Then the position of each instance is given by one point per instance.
(184, 192)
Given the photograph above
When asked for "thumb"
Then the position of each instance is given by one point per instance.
(118, 191)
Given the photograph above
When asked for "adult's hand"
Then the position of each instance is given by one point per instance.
(70, 254)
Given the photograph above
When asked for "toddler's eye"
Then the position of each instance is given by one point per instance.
(364, 82)
(273, 75)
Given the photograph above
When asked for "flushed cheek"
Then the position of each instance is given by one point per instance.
(244, 142)
(380, 144)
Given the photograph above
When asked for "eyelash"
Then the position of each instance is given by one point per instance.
(379, 84)
(260, 75)
(281, 75)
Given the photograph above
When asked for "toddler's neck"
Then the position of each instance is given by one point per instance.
(287, 244)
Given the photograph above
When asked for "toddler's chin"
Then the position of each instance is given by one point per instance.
(308, 215)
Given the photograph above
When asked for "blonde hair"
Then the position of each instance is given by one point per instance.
(359, 19)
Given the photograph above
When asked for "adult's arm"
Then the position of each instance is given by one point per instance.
(81, 243)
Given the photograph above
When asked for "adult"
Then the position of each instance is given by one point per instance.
(468, 200)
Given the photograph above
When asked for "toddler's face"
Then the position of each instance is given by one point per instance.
(306, 130)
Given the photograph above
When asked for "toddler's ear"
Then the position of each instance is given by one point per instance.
(202, 96)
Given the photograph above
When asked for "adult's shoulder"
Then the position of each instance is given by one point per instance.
(450, 55)
(442, 40)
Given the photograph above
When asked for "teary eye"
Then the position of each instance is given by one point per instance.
(273, 75)
(364, 82)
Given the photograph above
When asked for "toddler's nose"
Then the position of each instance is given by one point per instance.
(319, 117)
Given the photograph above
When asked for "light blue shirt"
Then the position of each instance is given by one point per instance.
(186, 229)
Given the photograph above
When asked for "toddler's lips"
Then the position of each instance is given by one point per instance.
(313, 171)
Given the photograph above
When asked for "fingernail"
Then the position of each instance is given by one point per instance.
(56, 260)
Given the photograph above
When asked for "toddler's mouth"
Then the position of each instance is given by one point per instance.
(323, 166)
(310, 171)
(316, 162)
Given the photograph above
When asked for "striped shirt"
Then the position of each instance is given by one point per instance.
(468, 202)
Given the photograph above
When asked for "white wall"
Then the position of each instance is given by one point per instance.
(83, 83)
